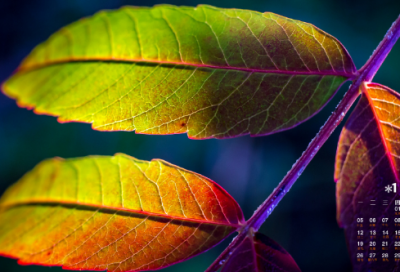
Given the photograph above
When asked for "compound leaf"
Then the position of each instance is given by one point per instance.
(258, 253)
(367, 170)
(210, 72)
(113, 213)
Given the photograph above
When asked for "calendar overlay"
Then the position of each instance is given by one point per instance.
(375, 236)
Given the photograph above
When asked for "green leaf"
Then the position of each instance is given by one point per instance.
(210, 72)
(113, 213)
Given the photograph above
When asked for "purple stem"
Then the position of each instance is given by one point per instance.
(372, 66)
(365, 74)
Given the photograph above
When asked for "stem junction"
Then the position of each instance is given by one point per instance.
(365, 74)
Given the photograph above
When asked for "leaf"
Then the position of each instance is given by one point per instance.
(113, 213)
(258, 253)
(367, 161)
(210, 72)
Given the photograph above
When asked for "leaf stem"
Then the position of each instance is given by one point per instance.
(366, 73)
(372, 66)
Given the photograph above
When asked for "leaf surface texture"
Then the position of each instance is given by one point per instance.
(210, 72)
(258, 253)
(113, 213)
(367, 162)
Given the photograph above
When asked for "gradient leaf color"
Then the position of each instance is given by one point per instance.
(113, 213)
(258, 253)
(210, 72)
(368, 160)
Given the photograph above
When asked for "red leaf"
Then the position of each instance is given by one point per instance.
(367, 164)
(113, 213)
(259, 253)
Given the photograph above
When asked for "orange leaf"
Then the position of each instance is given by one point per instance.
(113, 213)
(367, 171)
(258, 253)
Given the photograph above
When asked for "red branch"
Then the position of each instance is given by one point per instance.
(365, 74)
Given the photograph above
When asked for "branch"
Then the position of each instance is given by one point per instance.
(366, 73)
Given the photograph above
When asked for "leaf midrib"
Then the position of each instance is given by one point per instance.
(89, 206)
(379, 125)
(125, 60)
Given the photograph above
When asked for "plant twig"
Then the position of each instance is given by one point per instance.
(365, 74)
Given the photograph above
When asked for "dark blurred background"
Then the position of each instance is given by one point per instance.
(248, 168)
